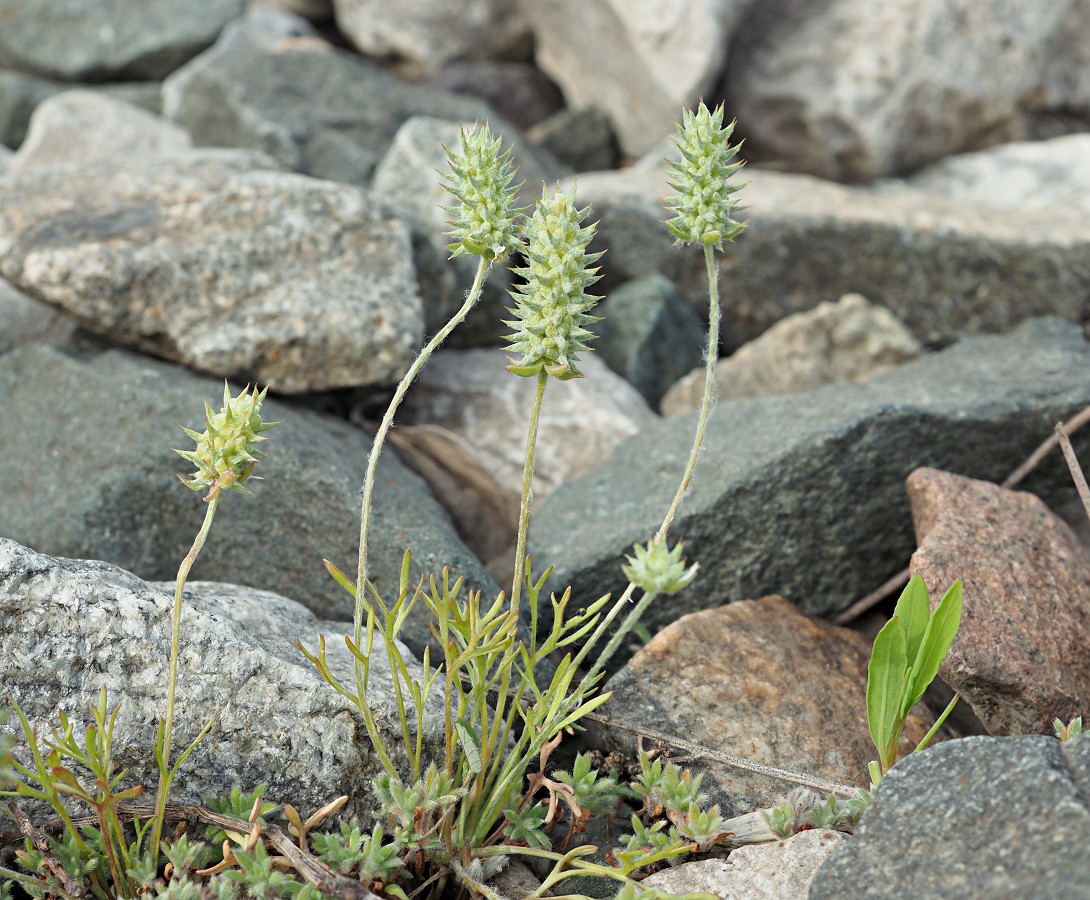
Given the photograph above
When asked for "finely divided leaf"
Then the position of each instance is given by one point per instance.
(885, 682)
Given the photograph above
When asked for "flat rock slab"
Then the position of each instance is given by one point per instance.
(219, 260)
(97, 481)
(756, 680)
(803, 495)
(1019, 658)
(108, 40)
(978, 817)
(73, 626)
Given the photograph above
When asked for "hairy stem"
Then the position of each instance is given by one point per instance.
(524, 507)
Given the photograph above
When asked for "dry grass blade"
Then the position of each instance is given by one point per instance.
(27, 828)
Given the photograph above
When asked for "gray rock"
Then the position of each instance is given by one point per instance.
(98, 40)
(854, 90)
(5, 159)
(431, 33)
(72, 627)
(1018, 659)
(781, 870)
(649, 335)
(638, 62)
(944, 268)
(318, 10)
(98, 482)
(850, 340)
(80, 126)
(519, 91)
(984, 817)
(28, 321)
(580, 138)
(803, 495)
(321, 112)
(218, 260)
(410, 177)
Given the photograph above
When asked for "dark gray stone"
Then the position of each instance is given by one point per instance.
(519, 91)
(978, 817)
(100, 40)
(580, 138)
(803, 495)
(322, 113)
(97, 480)
(649, 335)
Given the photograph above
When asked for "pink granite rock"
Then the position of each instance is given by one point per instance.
(1020, 658)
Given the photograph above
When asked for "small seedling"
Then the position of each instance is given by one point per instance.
(1071, 730)
(904, 661)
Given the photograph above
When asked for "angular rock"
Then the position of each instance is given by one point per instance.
(321, 112)
(469, 393)
(756, 680)
(850, 340)
(519, 91)
(29, 321)
(80, 126)
(318, 10)
(781, 870)
(580, 138)
(648, 335)
(430, 34)
(632, 60)
(5, 160)
(73, 626)
(101, 40)
(855, 90)
(410, 178)
(988, 817)
(98, 481)
(942, 267)
(1018, 659)
(221, 261)
(803, 495)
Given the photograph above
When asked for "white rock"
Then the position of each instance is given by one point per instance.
(80, 126)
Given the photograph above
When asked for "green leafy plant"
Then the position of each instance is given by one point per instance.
(803, 809)
(1070, 731)
(904, 661)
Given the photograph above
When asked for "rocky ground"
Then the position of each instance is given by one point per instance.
(204, 190)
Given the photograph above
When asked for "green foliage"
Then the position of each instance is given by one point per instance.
(239, 805)
(657, 569)
(803, 810)
(904, 661)
(1071, 730)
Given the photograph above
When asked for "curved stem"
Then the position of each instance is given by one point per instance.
(712, 356)
(172, 674)
(527, 479)
(380, 437)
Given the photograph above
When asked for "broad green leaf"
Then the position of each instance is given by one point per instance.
(914, 611)
(942, 628)
(885, 682)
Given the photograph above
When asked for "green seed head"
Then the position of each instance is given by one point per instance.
(703, 202)
(226, 452)
(657, 569)
(483, 222)
(551, 307)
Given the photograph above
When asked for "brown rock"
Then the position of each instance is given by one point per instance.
(1020, 657)
(759, 680)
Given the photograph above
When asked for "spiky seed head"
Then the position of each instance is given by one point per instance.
(703, 203)
(483, 223)
(226, 452)
(551, 306)
(657, 569)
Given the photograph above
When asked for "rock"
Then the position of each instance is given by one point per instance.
(648, 335)
(28, 321)
(1018, 657)
(430, 34)
(988, 817)
(469, 393)
(942, 267)
(850, 340)
(321, 112)
(853, 90)
(410, 178)
(98, 481)
(5, 160)
(80, 126)
(759, 680)
(72, 627)
(101, 40)
(633, 60)
(580, 138)
(778, 871)
(218, 260)
(317, 10)
(803, 495)
(519, 91)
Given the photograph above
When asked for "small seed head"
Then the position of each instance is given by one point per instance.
(657, 569)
